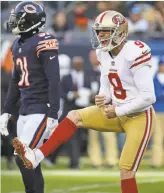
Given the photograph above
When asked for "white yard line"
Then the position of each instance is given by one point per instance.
(17, 192)
(87, 187)
(84, 173)
(95, 186)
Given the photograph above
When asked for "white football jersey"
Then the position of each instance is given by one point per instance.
(117, 74)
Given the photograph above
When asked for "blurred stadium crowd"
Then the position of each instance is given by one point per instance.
(71, 23)
(75, 25)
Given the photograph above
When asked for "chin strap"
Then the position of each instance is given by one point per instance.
(28, 34)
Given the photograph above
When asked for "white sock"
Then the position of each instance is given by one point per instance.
(39, 155)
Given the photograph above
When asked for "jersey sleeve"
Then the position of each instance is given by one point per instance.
(105, 87)
(46, 42)
(139, 55)
(47, 51)
(146, 96)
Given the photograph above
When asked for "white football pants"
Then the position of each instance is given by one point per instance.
(31, 129)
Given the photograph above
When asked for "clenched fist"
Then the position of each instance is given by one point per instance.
(109, 111)
(100, 100)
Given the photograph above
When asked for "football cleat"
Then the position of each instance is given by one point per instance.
(25, 153)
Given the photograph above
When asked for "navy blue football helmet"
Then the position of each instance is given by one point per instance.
(26, 17)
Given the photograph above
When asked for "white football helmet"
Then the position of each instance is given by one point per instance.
(114, 22)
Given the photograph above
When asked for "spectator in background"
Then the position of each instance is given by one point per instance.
(94, 8)
(75, 91)
(119, 6)
(159, 7)
(155, 16)
(137, 25)
(81, 32)
(65, 69)
(5, 11)
(101, 6)
(79, 8)
(95, 66)
(64, 64)
(158, 136)
(59, 26)
(95, 74)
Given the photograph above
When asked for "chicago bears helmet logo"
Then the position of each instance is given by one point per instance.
(118, 19)
(30, 8)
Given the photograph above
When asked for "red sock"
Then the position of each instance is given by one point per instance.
(129, 186)
(62, 134)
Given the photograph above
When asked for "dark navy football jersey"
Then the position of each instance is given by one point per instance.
(36, 75)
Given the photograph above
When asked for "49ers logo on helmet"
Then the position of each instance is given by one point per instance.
(118, 19)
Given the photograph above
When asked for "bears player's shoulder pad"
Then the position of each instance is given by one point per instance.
(135, 50)
(46, 41)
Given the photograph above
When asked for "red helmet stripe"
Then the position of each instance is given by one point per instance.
(103, 16)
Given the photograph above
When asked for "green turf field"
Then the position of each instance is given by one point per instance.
(86, 180)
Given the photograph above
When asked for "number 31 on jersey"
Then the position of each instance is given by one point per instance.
(22, 63)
